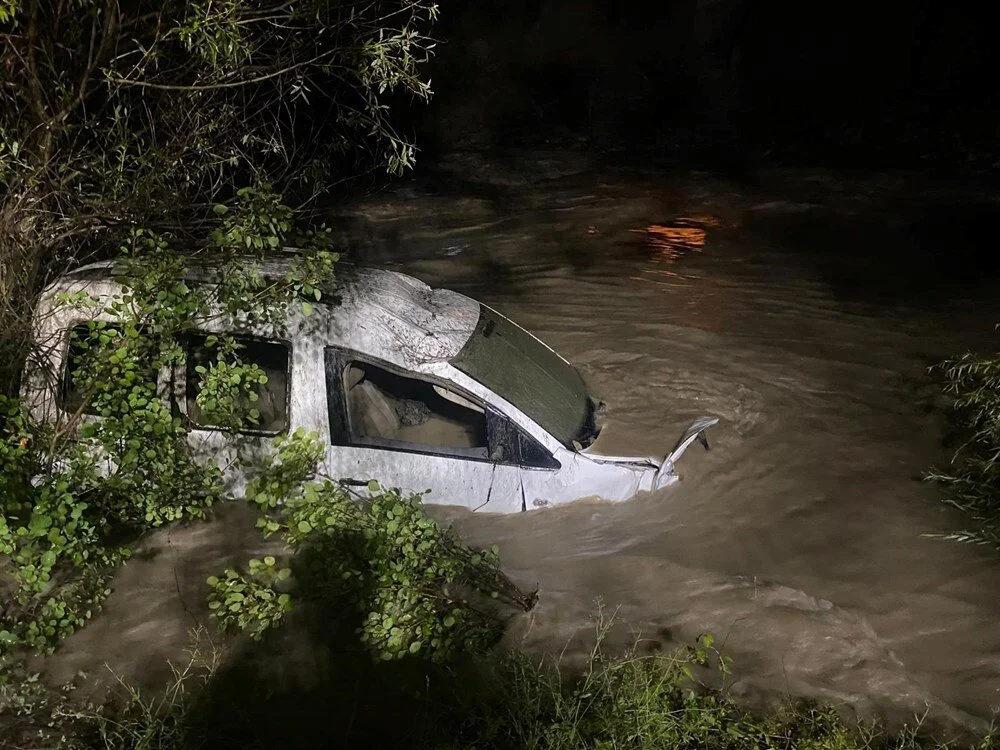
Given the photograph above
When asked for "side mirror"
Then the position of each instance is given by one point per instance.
(507, 444)
(501, 439)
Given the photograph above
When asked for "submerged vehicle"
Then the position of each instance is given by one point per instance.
(422, 389)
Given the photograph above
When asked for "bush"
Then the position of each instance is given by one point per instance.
(74, 493)
(416, 588)
(502, 701)
(116, 115)
(972, 482)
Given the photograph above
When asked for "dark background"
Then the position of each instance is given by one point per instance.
(876, 83)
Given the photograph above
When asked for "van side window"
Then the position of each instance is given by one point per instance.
(510, 445)
(377, 407)
(533, 454)
(387, 410)
(267, 409)
(86, 341)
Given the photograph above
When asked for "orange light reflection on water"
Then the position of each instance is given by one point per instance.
(671, 241)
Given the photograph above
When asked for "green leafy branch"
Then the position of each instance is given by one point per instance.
(122, 464)
(417, 588)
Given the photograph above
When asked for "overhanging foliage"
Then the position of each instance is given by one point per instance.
(115, 115)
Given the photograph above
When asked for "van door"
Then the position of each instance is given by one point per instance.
(407, 431)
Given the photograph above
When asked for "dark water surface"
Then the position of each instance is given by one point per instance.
(803, 308)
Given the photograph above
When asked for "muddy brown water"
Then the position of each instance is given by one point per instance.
(803, 308)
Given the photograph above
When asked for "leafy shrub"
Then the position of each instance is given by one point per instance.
(73, 491)
(159, 114)
(972, 482)
(227, 394)
(417, 588)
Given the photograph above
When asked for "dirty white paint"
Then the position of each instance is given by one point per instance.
(391, 319)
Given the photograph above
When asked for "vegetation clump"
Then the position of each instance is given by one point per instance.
(972, 481)
(117, 115)
(416, 587)
(639, 700)
(76, 491)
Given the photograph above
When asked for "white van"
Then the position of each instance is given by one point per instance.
(419, 388)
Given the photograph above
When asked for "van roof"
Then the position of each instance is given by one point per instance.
(373, 311)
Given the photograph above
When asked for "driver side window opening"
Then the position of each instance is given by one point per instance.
(378, 407)
(389, 410)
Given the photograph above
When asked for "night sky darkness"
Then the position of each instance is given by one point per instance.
(852, 83)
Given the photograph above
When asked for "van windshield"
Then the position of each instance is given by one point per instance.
(521, 369)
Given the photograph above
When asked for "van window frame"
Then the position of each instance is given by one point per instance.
(62, 384)
(179, 385)
(336, 360)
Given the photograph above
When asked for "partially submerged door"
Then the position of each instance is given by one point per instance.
(410, 432)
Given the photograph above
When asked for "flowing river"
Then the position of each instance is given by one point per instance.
(801, 307)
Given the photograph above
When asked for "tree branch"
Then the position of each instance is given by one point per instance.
(37, 98)
(108, 38)
(223, 85)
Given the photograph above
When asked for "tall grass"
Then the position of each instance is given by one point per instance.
(637, 701)
(509, 700)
